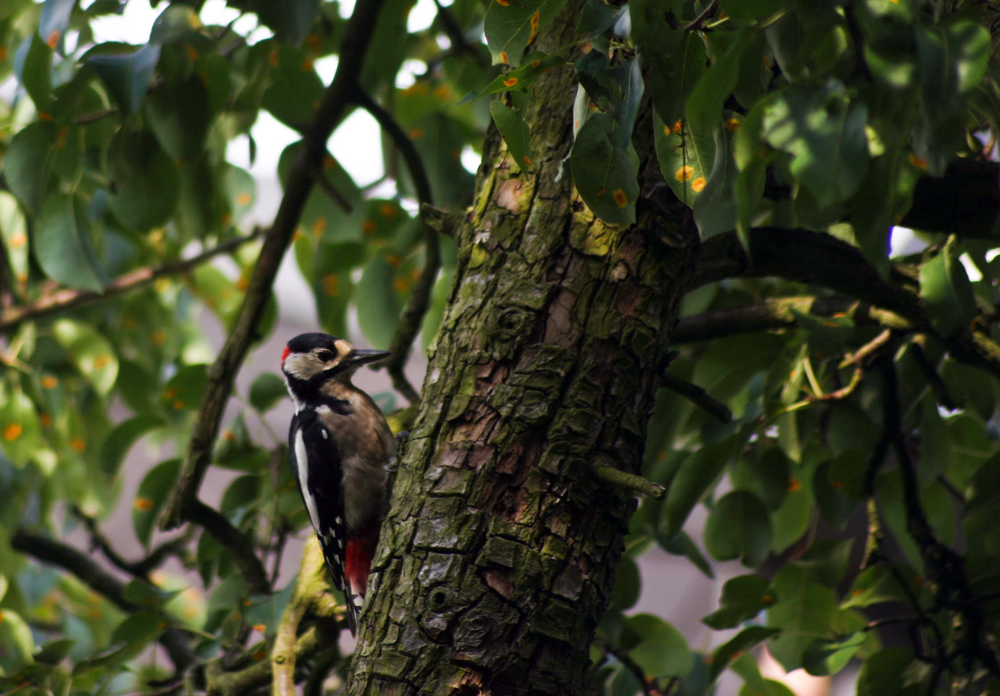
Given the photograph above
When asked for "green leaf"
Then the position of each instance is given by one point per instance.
(748, 638)
(90, 352)
(520, 79)
(122, 438)
(824, 132)
(511, 26)
(704, 106)
(743, 598)
(296, 89)
(64, 246)
(242, 493)
(324, 219)
(127, 75)
(291, 21)
(876, 585)
(241, 188)
(946, 291)
(138, 631)
(597, 17)
(686, 160)
(805, 609)
(179, 115)
(605, 175)
(715, 207)
(14, 234)
(19, 645)
(267, 610)
(266, 391)
(739, 527)
(55, 18)
(675, 59)
(55, 651)
(515, 133)
(147, 182)
(683, 545)
(36, 72)
(884, 672)
(152, 493)
(26, 165)
(20, 432)
(628, 584)
(662, 650)
(184, 389)
(382, 306)
(824, 657)
(696, 474)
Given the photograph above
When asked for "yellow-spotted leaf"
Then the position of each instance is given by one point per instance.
(14, 233)
(152, 492)
(685, 159)
(604, 174)
(90, 352)
(20, 432)
(511, 26)
(183, 390)
(296, 89)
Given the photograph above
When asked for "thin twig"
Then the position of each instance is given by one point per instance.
(301, 179)
(64, 300)
(94, 116)
(416, 307)
(235, 542)
(698, 396)
(705, 15)
(138, 569)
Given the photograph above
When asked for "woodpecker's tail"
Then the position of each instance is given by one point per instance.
(354, 602)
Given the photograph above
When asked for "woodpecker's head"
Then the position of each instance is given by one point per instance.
(313, 358)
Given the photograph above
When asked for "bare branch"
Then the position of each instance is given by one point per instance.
(301, 179)
(64, 300)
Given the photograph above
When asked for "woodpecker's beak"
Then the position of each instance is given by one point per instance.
(363, 357)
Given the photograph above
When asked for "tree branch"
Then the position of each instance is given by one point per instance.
(778, 313)
(416, 307)
(301, 179)
(52, 552)
(820, 259)
(806, 257)
(138, 569)
(698, 396)
(235, 542)
(64, 300)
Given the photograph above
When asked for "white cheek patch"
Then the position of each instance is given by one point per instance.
(300, 366)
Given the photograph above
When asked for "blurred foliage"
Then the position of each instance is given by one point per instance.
(819, 115)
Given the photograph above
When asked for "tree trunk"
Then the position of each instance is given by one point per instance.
(498, 558)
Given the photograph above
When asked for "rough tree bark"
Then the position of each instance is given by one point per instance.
(498, 557)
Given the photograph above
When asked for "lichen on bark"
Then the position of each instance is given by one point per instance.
(498, 557)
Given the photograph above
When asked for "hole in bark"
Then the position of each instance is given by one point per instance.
(439, 599)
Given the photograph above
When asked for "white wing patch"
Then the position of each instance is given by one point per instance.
(302, 461)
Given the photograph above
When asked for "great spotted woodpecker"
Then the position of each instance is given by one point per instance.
(339, 444)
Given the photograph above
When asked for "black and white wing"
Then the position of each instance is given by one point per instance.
(316, 463)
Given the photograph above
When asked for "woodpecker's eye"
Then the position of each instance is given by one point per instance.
(325, 355)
